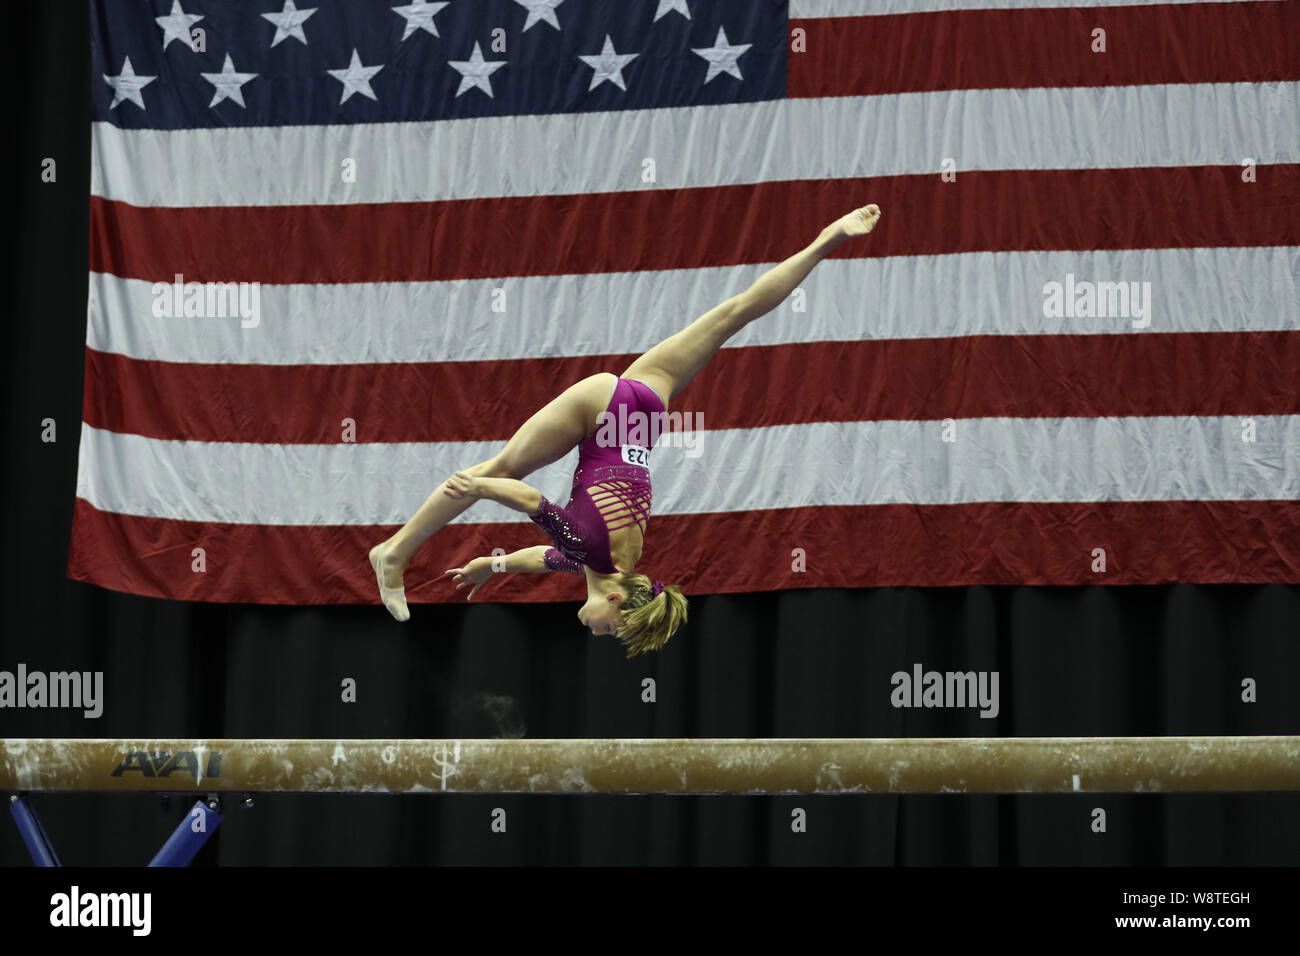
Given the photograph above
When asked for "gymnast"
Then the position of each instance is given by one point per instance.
(600, 533)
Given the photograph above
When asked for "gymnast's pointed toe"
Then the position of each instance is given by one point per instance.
(394, 598)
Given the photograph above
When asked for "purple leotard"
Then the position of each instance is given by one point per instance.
(611, 485)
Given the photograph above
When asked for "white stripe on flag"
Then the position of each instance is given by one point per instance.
(902, 134)
(984, 293)
(827, 463)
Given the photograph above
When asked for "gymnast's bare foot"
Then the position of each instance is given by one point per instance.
(857, 223)
(388, 574)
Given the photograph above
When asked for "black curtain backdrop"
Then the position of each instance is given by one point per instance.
(1072, 661)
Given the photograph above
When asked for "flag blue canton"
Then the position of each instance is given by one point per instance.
(281, 62)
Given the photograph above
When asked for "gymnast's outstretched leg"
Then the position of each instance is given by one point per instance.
(547, 436)
(670, 365)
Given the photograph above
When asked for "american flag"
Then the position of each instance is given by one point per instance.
(342, 248)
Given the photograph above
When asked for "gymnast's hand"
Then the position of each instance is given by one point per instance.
(475, 573)
(857, 223)
(462, 485)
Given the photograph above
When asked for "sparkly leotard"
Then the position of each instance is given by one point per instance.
(611, 485)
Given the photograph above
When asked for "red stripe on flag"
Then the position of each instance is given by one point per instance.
(1021, 376)
(883, 545)
(1139, 208)
(1016, 49)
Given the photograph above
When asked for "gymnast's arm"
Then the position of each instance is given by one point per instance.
(507, 491)
(536, 560)
(522, 497)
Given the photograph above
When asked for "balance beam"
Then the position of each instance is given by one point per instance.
(657, 765)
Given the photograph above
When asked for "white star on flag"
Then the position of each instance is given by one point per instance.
(722, 56)
(127, 86)
(228, 83)
(475, 71)
(668, 6)
(608, 65)
(419, 16)
(288, 22)
(356, 78)
(176, 25)
(539, 10)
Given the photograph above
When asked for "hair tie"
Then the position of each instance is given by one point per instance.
(656, 588)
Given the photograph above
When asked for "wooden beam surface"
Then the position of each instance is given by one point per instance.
(657, 765)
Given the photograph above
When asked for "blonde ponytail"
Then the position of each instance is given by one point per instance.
(646, 619)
